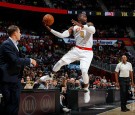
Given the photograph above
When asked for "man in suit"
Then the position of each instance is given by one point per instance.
(11, 70)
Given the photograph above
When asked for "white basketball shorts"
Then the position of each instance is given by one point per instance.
(76, 54)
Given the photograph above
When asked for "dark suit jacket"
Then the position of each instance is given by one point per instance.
(11, 62)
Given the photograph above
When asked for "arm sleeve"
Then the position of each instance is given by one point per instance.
(90, 29)
(117, 69)
(13, 58)
(131, 68)
(60, 35)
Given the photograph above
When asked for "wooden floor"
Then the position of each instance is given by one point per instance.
(105, 109)
(117, 111)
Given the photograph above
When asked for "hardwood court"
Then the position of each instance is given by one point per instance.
(117, 111)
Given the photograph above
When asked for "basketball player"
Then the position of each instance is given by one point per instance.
(83, 34)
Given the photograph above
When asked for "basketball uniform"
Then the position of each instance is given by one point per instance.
(83, 49)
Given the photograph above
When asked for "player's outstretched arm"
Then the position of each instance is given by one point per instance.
(89, 27)
(66, 33)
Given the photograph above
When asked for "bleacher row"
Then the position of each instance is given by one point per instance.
(93, 5)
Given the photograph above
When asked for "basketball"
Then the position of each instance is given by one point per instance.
(48, 19)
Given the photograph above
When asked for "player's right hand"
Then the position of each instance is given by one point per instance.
(47, 27)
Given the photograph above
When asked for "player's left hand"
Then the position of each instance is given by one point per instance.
(76, 23)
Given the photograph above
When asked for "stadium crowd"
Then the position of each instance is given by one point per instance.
(47, 52)
(93, 5)
(120, 5)
(109, 31)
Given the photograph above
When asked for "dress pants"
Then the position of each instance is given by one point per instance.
(124, 87)
(11, 97)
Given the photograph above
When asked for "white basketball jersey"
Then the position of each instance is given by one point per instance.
(82, 37)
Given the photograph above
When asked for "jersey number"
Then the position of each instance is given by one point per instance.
(82, 34)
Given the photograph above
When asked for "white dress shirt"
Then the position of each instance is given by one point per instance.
(124, 69)
(14, 42)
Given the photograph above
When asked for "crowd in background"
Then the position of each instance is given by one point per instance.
(107, 31)
(47, 52)
(93, 5)
(120, 5)
(112, 54)
(60, 4)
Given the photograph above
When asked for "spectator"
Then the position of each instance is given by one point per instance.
(29, 83)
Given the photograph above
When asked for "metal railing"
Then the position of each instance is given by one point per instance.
(0, 97)
(104, 66)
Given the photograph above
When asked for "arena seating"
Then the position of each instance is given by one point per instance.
(120, 5)
(93, 5)
(47, 49)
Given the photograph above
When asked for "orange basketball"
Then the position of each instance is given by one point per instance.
(48, 19)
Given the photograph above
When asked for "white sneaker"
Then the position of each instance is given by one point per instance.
(87, 96)
(66, 110)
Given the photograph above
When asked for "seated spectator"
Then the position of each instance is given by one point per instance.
(109, 83)
(71, 83)
(97, 82)
(36, 83)
(104, 82)
(29, 83)
(53, 84)
(91, 80)
(77, 84)
(44, 82)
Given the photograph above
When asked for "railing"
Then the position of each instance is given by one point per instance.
(104, 66)
(0, 97)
